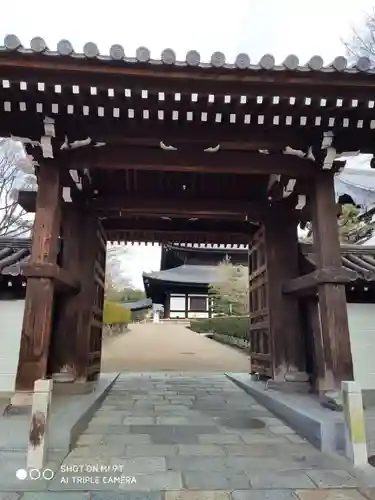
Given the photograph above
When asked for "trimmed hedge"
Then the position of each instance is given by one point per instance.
(114, 314)
(235, 326)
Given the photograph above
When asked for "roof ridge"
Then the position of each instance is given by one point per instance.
(39, 47)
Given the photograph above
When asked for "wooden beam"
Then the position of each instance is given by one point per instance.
(159, 225)
(180, 236)
(178, 207)
(56, 69)
(318, 277)
(64, 280)
(201, 136)
(157, 159)
(40, 291)
(333, 342)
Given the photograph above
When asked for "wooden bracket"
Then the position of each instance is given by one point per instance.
(64, 282)
(309, 282)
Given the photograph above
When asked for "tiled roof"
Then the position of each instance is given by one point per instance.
(207, 246)
(202, 275)
(140, 304)
(193, 59)
(14, 253)
(358, 258)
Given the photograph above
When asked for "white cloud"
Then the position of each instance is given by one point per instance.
(138, 259)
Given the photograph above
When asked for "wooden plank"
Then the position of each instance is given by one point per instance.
(178, 226)
(283, 265)
(234, 162)
(40, 292)
(177, 207)
(318, 277)
(64, 342)
(90, 247)
(336, 352)
(184, 237)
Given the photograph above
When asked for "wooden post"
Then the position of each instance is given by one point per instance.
(88, 348)
(336, 365)
(38, 435)
(167, 306)
(40, 291)
(281, 241)
(64, 339)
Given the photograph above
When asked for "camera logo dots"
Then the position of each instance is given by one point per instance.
(21, 474)
(34, 474)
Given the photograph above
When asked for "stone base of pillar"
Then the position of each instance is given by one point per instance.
(297, 382)
(22, 398)
(73, 387)
(332, 400)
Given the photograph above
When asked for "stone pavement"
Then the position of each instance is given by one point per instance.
(173, 436)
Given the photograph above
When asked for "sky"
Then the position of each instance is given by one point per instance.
(257, 27)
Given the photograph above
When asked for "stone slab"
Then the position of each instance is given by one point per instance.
(131, 495)
(332, 479)
(281, 480)
(344, 494)
(302, 412)
(211, 480)
(196, 495)
(210, 450)
(263, 495)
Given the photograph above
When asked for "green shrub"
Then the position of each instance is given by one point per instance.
(114, 314)
(237, 326)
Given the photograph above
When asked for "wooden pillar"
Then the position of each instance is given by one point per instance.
(90, 300)
(281, 240)
(186, 306)
(167, 305)
(336, 365)
(65, 339)
(40, 290)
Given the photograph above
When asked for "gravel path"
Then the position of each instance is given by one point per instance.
(164, 347)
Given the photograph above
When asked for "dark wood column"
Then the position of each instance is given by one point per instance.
(65, 339)
(167, 305)
(336, 365)
(90, 299)
(281, 242)
(40, 290)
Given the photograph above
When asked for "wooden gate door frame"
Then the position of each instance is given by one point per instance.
(261, 345)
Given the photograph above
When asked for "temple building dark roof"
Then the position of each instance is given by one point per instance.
(14, 253)
(194, 274)
(138, 305)
(39, 48)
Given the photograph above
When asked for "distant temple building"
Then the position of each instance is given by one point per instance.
(186, 270)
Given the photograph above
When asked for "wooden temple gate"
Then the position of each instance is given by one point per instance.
(132, 149)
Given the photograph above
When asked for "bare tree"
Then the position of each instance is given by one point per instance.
(230, 292)
(362, 43)
(13, 219)
(115, 280)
